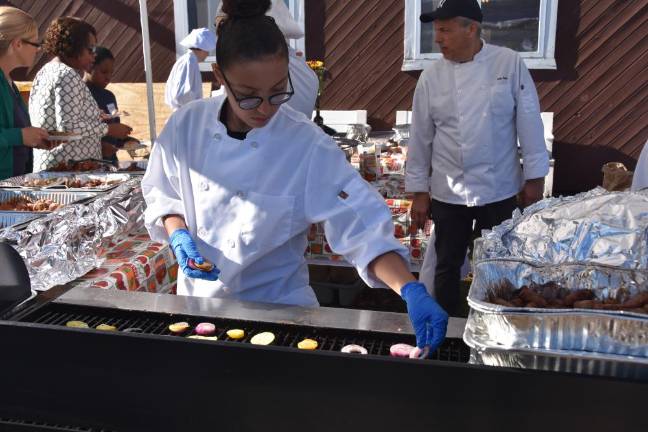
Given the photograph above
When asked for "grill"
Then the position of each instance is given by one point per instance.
(288, 336)
(157, 381)
(14, 424)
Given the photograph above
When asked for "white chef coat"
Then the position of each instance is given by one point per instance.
(305, 82)
(184, 83)
(640, 177)
(466, 121)
(249, 203)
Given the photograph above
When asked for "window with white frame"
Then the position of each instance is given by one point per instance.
(526, 26)
(191, 14)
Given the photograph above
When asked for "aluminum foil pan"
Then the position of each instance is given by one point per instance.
(607, 365)
(602, 331)
(60, 178)
(598, 227)
(11, 218)
(65, 244)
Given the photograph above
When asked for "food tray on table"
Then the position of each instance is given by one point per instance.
(13, 217)
(616, 326)
(84, 165)
(100, 166)
(66, 181)
(579, 362)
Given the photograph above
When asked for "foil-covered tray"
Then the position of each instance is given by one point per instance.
(607, 365)
(62, 245)
(601, 331)
(62, 180)
(11, 218)
(597, 227)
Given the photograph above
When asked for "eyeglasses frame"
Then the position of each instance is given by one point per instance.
(260, 99)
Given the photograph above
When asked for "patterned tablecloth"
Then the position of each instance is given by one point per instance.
(391, 187)
(134, 263)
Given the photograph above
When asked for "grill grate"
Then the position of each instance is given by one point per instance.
(33, 426)
(286, 335)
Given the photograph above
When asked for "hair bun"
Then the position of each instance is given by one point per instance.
(237, 9)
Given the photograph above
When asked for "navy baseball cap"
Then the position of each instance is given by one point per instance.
(455, 8)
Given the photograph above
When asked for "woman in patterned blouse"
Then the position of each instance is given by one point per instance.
(60, 100)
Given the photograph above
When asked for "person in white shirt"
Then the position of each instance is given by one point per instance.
(304, 79)
(470, 109)
(640, 177)
(185, 83)
(238, 179)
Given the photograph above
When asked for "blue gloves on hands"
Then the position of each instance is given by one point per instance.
(184, 248)
(429, 320)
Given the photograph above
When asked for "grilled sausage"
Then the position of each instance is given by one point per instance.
(636, 301)
(578, 295)
(529, 296)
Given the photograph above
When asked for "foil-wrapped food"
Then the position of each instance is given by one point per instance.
(597, 227)
(565, 282)
(64, 244)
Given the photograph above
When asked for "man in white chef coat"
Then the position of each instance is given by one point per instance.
(185, 83)
(304, 79)
(470, 109)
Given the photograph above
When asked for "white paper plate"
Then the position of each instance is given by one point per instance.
(64, 137)
(115, 115)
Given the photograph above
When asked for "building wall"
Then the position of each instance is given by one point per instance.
(118, 28)
(598, 93)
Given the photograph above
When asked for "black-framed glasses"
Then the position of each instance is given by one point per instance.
(34, 44)
(251, 102)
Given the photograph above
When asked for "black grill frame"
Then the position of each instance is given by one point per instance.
(162, 383)
(21, 424)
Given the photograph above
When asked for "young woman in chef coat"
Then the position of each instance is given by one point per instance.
(185, 83)
(304, 79)
(238, 179)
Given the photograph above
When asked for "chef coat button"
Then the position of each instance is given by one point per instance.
(202, 232)
(232, 243)
(254, 144)
(204, 186)
(240, 194)
(217, 136)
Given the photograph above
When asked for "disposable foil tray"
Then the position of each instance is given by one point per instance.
(20, 181)
(607, 365)
(600, 331)
(10, 218)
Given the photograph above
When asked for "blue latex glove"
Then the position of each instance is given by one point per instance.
(429, 320)
(184, 248)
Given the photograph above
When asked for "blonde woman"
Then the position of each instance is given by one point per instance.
(60, 99)
(18, 47)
